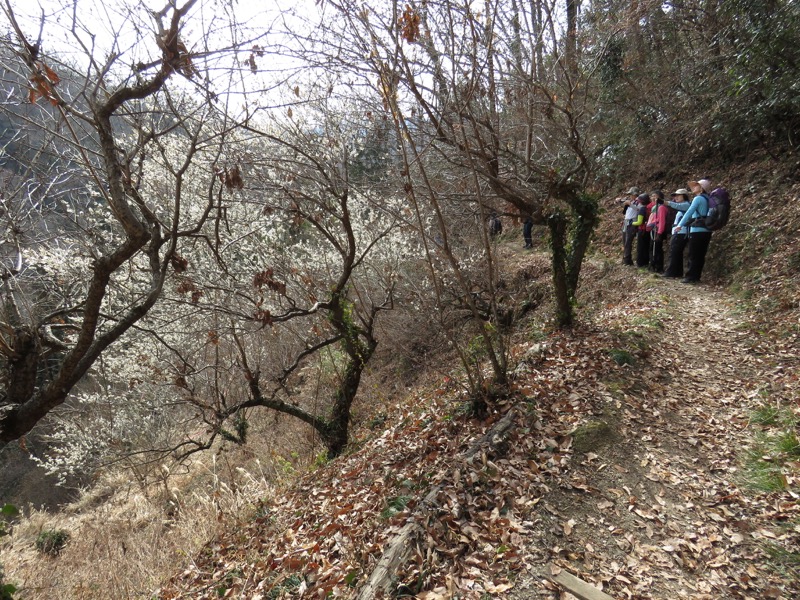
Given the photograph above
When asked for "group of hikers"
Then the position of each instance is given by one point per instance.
(650, 220)
(686, 220)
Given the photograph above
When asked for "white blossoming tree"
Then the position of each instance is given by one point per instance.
(92, 234)
(305, 260)
(196, 253)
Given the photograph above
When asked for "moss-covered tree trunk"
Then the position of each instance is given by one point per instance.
(585, 217)
(336, 432)
(359, 345)
(570, 240)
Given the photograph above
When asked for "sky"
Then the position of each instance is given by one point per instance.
(75, 28)
(224, 36)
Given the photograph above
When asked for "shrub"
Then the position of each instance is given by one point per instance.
(621, 357)
(394, 506)
(771, 463)
(52, 541)
(7, 512)
(6, 589)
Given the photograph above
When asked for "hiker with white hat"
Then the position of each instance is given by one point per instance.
(628, 229)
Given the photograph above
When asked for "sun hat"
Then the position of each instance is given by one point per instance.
(681, 192)
(634, 191)
(703, 183)
(643, 198)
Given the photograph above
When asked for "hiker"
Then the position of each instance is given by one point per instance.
(679, 203)
(495, 225)
(527, 232)
(657, 225)
(699, 236)
(628, 229)
(642, 236)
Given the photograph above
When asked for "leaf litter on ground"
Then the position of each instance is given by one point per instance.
(655, 509)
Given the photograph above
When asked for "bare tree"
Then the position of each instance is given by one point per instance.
(290, 284)
(92, 238)
(474, 95)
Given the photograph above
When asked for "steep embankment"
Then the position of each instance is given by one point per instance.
(626, 467)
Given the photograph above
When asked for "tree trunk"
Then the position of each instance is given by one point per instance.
(23, 366)
(558, 239)
(336, 430)
(586, 216)
(572, 37)
(336, 433)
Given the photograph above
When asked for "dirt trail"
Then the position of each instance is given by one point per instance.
(656, 509)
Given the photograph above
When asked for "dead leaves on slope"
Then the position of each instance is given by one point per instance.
(656, 514)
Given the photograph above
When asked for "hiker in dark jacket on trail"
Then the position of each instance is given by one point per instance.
(699, 236)
(527, 232)
(495, 225)
(680, 203)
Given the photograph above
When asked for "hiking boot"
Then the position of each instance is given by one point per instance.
(687, 280)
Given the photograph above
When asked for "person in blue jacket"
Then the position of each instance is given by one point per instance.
(699, 236)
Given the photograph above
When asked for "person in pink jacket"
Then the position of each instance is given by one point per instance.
(658, 226)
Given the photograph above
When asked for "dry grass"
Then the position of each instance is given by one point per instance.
(125, 540)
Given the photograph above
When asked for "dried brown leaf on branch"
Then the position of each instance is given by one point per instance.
(179, 263)
(231, 177)
(409, 23)
(43, 84)
(251, 62)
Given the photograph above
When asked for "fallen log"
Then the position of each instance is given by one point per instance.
(575, 586)
(399, 549)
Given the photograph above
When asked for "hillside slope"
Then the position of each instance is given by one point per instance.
(757, 255)
(640, 452)
(625, 467)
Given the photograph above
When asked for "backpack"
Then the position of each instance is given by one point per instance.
(495, 226)
(719, 209)
(652, 220)
(644, 211)
(671, 214)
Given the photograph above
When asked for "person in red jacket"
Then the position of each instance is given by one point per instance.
(658, 226)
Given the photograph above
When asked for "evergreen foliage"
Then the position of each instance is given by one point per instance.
(52, 541)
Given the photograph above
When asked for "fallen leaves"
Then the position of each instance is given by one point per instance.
(655, 514)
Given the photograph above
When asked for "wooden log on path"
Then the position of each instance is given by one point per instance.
(575, 586)
(400, 548)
